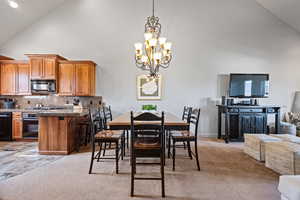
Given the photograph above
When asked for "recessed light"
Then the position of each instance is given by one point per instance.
(13, 4)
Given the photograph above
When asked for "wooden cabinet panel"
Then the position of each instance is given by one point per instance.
(66, 79)
(36, 68)
(8, 79)
(23, 80)
(49, 69)
(56, 135)
(17, 126)
(83, 80)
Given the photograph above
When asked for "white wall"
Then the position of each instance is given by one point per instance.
(211, 38)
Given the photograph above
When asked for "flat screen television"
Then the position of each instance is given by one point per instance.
(249, 85)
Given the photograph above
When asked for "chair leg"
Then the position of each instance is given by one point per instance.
(184, 145)
(92, 159)
(162, 171)
(104, 149)
(174, 151)
(169, 144)
(122, 148)
(132, 176)
(189, 150)
(100, 149)
(196, 152)
(117, 157)
(127, 138)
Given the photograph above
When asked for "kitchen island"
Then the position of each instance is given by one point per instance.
(57, 131)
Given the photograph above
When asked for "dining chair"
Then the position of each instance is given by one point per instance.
(185, 116)
(188, 137)
(147, 131)
(107, 117)
(100, 136)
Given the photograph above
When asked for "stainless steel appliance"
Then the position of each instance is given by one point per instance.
(43, 86)
(30, 125)
(5, 126)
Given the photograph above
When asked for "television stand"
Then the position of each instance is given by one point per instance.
(240, 119)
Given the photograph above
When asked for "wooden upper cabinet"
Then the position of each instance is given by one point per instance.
(83, 78)
(36, 68)
(76, 78)
(23, 79)
(66, 79)
(8, 79)
(49, 68)
(5, 58)
(44, 66)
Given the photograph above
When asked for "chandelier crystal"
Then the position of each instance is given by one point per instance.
(156, 51)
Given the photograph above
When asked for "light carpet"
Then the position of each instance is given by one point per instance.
(226, 174)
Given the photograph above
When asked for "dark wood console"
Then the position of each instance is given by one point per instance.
(245, 119)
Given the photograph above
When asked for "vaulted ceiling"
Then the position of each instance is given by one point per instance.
(286, 10)
(13, 21)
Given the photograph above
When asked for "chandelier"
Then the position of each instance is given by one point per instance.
(156, 51)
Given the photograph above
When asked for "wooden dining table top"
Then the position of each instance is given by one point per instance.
(170, 120)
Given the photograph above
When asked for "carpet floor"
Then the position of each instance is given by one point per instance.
(226, 174)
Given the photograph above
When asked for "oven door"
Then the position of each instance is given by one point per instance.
(30, 128)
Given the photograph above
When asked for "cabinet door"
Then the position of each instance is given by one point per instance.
(260, 123)
(66, 79)
(83, 80)
(23, 80)
(36, 68)
(245, 123)
(49, 69)
(8, 79)
(17, 126)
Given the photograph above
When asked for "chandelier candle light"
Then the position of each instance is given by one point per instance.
(156, 51)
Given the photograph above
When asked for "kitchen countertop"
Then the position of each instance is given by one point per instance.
(51, 113)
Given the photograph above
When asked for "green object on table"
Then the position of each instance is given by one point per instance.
(149, 107)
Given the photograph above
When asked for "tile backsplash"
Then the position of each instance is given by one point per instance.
(51, 100)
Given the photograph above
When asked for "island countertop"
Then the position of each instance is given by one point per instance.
(63, 113)
(49, 113)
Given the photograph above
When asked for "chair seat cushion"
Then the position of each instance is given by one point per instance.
(108, 135)
(183, 135)
(147, 143)
(289, 186)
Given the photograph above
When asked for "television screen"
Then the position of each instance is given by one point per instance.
(249, 85)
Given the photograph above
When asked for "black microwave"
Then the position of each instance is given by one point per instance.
(43, 86)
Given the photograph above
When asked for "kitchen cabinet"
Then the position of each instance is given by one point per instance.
(44, 66)
(8, 79)
(14, 78)
(5, 58)
(17, 125)
(77, 78)
(23, 79)
(66, 79)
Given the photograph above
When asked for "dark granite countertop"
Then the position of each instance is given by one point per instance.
(51, 113)
(63, 113)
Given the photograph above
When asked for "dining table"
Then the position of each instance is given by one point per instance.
(171, 123)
